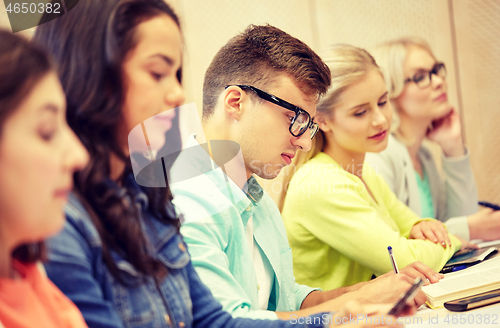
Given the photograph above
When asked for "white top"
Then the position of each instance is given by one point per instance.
(262, 267)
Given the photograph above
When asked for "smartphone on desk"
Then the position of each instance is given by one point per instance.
(406, 297)
(474, 301)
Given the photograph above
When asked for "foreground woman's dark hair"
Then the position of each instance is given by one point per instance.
(90, 69)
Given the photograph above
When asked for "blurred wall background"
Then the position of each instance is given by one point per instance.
(465, 34)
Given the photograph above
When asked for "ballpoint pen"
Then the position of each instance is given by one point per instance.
(454, 269)
(393, 260)
(495, 207)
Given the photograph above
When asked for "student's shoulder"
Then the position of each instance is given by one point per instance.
(375, 180)
(78, 221)
(392, 160)
(200, 199)
(321, 165)
(395, 150)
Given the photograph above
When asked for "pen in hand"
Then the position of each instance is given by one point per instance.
(393, 260)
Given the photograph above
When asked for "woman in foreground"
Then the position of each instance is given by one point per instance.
(38, 155)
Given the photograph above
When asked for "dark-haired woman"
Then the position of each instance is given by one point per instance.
(120, 257)
(38, 155)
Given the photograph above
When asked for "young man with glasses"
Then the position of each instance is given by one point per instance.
(259, 102)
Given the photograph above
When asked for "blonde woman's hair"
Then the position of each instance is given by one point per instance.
(348, 65)
(391, 58)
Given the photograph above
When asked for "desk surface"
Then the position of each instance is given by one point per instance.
(488, 316)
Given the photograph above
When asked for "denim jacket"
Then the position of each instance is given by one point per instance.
(76, 266)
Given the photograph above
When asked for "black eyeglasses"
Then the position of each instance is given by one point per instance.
(300, 122)
(423, 78)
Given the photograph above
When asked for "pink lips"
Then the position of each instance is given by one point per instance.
(442, 97)
(288, 158)
(62, 193)
(379, 136)
(165, 116)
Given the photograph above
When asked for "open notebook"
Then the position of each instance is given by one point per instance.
(479, 278)
(468, 258)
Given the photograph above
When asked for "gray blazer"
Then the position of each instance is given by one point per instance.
(454, 194)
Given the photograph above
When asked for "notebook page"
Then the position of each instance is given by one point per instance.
(481, 274)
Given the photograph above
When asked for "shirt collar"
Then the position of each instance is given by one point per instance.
(201, 161)
(253, 190)
(194, 161)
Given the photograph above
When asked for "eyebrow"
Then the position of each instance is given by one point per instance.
(362, 105)
(358, 106)
(168, 60)
(50, 107)
(421, 69)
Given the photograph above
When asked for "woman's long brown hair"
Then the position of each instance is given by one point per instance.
(89, 44)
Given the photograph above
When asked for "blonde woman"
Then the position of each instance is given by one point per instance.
(417, 86)
(340, 215)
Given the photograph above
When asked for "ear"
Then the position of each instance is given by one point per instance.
(323, 123)
(233, 99)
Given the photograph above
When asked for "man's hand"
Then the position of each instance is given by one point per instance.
(384, 289)
(418, 270)
(389, 287)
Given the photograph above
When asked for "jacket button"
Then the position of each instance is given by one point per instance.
(248, 208)
(167, 319)
(181, 324)
(258, 286)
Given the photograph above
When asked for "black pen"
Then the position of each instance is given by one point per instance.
(495, 207)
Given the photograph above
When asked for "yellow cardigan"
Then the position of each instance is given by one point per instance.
(339, 235)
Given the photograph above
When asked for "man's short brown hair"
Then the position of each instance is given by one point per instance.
(256, 57)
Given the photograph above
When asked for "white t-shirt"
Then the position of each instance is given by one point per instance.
(263, 268)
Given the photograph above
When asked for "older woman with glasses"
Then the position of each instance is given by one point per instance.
(418, 91)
